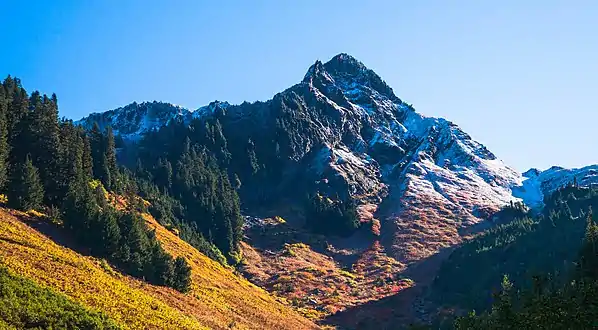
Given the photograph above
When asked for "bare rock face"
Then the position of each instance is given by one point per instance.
(343, 132)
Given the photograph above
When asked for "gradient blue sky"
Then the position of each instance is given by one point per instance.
(519, 76)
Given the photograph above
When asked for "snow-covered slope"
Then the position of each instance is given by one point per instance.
(135, 119)
(343, 132)
(538, 184)
(440, 181)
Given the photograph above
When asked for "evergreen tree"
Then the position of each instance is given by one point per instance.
(79, 208)
(25, 189)
(504, 306)
(45, 142)
(4, 147)
(588, 261)
(87, 161)
(70, 160)
(162, 265)
(182, 275)
(96, 140)
(252, 158)
(103, 155)
(134, 236)
(110, 159)
(55, 161)
(105, 174)
(18, 107)
(110, 233)
(327, 216)
(163, 176)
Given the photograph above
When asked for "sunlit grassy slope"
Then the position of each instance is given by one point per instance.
(218, 295)
(219, 299)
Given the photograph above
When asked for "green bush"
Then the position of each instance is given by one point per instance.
(26, 305)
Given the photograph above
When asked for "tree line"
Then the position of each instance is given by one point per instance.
(200, 169)
(532, 272)
(49, 164)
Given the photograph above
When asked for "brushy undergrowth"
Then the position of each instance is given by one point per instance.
(26, 305)
(217, 298)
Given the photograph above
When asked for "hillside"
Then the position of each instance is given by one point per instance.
(218, 300)
(335, 195)
(421, 185)
(340, 132)
(537, 252)
(344, 133)
(24, 304)
(319, 276)
(219, 295)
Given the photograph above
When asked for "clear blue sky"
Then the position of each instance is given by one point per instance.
(519, 76)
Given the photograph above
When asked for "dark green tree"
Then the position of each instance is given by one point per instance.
(105, 174)
(45, 142)
(4, 147)
(163, 174)
(87, 161)
(25, 189)
(162, 266)
(110, 159)
(588, 260)
(96, 140)
(182, 275)
(111, 237)
(79, 209)
(327, 216)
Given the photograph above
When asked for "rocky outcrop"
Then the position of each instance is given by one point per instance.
(343, 132)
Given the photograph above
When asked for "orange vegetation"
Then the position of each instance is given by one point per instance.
(219, 298)
(312, 280)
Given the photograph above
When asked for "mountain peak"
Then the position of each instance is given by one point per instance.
(346, 72)
(345, 63)
(316, 69)
(531, 173)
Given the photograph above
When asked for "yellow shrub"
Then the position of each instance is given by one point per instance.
(347, 274)
(217, 297)
(36, 214)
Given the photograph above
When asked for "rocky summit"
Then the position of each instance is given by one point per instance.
(342, 131)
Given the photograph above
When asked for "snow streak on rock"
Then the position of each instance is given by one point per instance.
(358, 139)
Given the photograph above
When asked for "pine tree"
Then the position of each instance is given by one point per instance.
(80, 210)
(105, 174)
(252, 158)
(162, 264)
(134, 236)
(588, 260)
(502, 309)
(70, 160)
(54, 162)
(45, 142)
(110, 159)
(25, 190)
(87, 161)
(111, 237)
(182, 275)
(18, 107)
(4, 147)
(96, 140)
(331, 216)
(163, 177)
